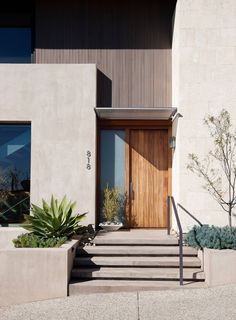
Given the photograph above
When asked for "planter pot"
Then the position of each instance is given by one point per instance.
(108, 227)
(219, 266)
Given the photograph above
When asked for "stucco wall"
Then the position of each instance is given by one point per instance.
(204, 81)
(59, 101)
(7, 235)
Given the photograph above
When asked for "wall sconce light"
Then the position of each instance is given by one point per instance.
(172, 142)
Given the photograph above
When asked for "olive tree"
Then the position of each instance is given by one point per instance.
(218, 168)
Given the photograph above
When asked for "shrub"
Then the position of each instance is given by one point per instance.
(54, 220)
(30, 240)
(111, 204)
(211, 237)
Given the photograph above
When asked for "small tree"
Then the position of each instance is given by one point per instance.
(218, 168)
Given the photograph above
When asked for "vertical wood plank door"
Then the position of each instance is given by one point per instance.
(149, 178)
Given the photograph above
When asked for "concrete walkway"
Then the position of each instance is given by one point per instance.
(190, 304)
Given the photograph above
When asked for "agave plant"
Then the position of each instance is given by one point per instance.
(54, 219)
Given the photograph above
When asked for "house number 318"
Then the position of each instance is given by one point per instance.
(88, 154)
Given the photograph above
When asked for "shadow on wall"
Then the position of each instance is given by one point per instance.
(105, 24)
(104, 90)
(150, 146)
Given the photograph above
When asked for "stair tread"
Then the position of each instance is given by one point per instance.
(107, 286)
(139, 235)
(143, 283)
(135, 241)
(132, 250)
(135, 272)
(137, 285)
(135, 269)
(136, 261)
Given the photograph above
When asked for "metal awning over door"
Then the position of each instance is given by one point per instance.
(164, 113)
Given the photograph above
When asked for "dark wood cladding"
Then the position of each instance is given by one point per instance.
(130, 41)
(17, 14)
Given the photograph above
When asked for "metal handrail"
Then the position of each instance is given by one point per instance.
(190, 214)
(8, 209)
(170, 200)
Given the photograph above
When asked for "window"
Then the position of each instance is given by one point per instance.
(17, 31)
(15, 150)
(112, 165)
(16, 45)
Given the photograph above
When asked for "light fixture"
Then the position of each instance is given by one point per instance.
(172, 142)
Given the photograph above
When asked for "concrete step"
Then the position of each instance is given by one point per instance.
(135, 251)
(135, 261)
(106, 240)
(106, 286)
(137, 273)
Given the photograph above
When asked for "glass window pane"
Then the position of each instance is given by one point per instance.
(15, 45)
(15, 149)
(112, 164)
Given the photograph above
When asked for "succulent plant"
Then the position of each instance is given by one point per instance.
(53, 220)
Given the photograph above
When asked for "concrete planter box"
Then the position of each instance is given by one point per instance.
(219, 266)
(30, 274)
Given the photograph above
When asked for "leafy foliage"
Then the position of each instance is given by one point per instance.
(111, 204)
(220, 163)
(53, 220)
(30, 240)
(211, 237)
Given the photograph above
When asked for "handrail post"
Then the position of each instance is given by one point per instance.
(168, 215)
(181, 266)
(171, 201)
(180, 242)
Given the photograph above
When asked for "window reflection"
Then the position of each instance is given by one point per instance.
(15, 45)
(15, 145)
(112, 164)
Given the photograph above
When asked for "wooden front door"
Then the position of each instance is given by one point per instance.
(148, 178)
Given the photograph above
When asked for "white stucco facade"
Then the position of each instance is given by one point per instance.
(204, 82)
(59, 101)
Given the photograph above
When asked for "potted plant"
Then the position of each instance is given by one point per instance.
(110, 210)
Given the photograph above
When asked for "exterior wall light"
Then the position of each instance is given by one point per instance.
(172, 142)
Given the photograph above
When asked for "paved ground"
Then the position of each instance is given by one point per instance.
(191, 304)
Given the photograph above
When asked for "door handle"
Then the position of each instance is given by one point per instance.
(131, 191)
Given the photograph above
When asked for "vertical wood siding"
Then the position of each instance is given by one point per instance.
(130, 41)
